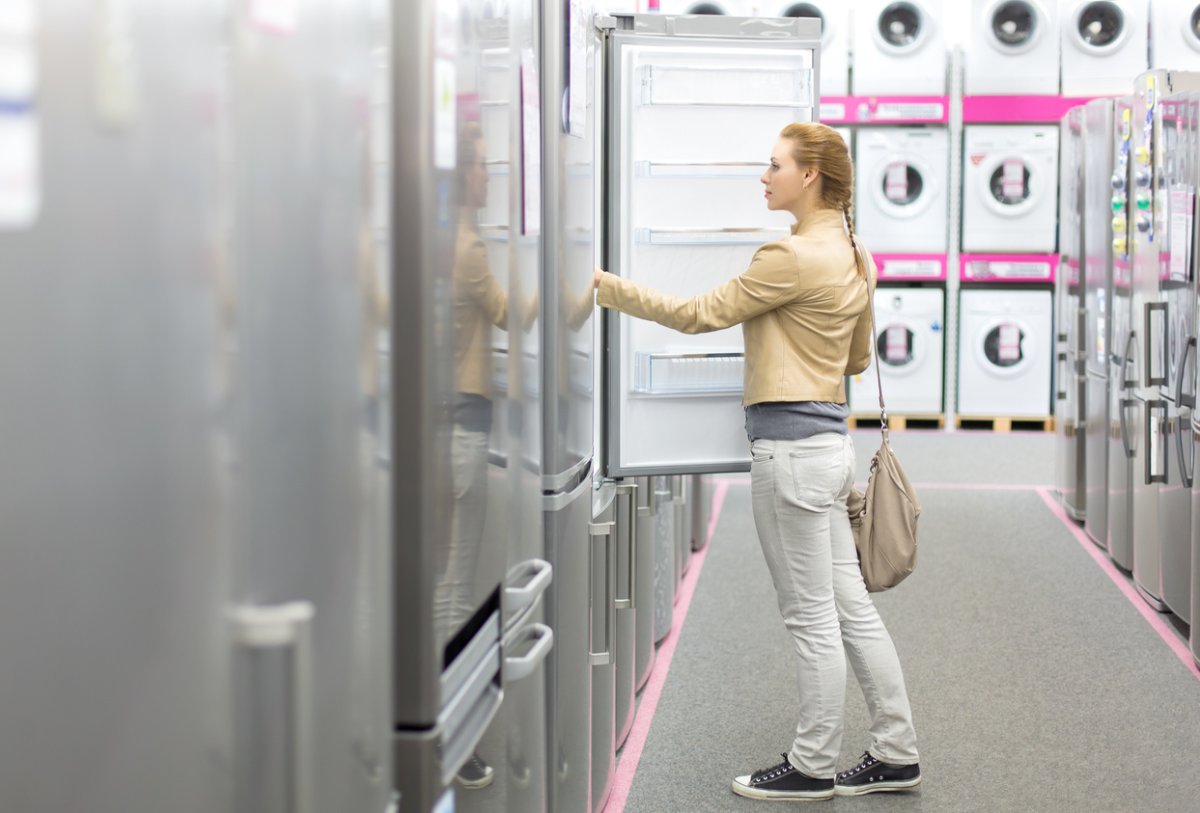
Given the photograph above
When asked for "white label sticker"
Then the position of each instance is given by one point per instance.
(20, 164)
(1180, 242)
(1010, 343)
(833, 111)
(896, 184)
(1012, 183)
(896, 348)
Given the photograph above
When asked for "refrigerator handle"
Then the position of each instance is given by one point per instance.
(539, 572)
(629, 492)
(1153, 452)
(605, 530)
(1185, 472)
(1061, 377)
(259, 630)
(1187, 399)
(1128, 360)
(1126, 405)
(1155, 337)
(520, 668)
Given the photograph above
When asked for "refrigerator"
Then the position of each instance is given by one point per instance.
(1098, 215)
(457, 345)
(1124, 368)
(1192, 125)
(1177, 292)
(1150, 216)
(195, 564)
(1070, 378)
(116, 543)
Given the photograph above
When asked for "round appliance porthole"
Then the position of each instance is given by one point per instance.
(1004, 346)
(706, 8)
(1015, 26)
(1007, 194)
(895, 346)
(810, 11)
(1191, 31)
(903, 194)
(902, 26)
(1100, 26)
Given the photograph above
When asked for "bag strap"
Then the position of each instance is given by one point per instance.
(883, 419)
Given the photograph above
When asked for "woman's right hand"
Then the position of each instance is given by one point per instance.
(597, 275)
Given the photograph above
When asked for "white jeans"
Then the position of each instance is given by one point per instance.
(799, 490)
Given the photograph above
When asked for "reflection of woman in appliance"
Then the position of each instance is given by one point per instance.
(804, 312)
(479, 303)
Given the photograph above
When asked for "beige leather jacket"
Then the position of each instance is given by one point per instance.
(801, 304)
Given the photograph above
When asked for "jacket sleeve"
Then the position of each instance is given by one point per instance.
(770, 281)
(481, 287)
(860, 345)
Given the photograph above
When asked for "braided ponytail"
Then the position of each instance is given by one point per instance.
(860, 258)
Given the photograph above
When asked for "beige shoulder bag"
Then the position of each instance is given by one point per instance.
(884, 520)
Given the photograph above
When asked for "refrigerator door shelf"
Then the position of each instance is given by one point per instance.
(694, 169)
(733, 236)
(728, 85)
(688, 373)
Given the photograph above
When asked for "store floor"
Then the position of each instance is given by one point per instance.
(1036, 683)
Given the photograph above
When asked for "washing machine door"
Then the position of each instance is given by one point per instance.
(1010, 184)
(1191, 28)
(1014, 26)
(1004, 347)
(1098, 27)
(706, 8)
(901, 345)
(903, 27)
(903, 186)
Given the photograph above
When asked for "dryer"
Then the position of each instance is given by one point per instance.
(1004, 349)
(1010, 186)
(835, 36)
(1175, 34)
(908, 342)
(1104, 45)
(899, 48)
(731, 8)
(1012, 47)
(901, 188)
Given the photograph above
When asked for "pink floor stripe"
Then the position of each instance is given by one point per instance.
(1154, 619)
(631, 755)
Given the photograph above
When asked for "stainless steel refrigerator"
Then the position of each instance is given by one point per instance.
(194, 559)
(1150, 210)
(1070, 379)
(1177, 292)
(458, 445)
(1098, 216)
(693, 108)
(1124, 358)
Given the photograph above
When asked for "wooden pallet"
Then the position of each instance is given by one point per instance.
(1004, 424)
(897, 422)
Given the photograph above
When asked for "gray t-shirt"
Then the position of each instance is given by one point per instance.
(794, 420)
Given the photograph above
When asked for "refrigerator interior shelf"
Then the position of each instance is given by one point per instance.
(708, 236)
(727, 86)
(494, 232)
(688, 373)
(496, 166)
(709, 169)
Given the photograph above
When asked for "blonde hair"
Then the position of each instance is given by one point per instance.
(820, 146)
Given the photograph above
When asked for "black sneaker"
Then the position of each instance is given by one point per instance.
(872, 776)
(782, 782)
(475, 773)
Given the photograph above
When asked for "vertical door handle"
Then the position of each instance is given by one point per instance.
(1187, 399)
(1128, 361)
(1126, 405)
(602, 530)
(1061, 377)
(1185, 472)
(1156, 337)
(628, 491)
(1153, 475)
(525, 665)
(286, 630)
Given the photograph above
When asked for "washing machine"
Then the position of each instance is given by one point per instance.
(732, 8)
(899, 48)
(1010, 188)
(1175, 34)
(908, 342)
(1104, 45)
(835, 36)
(1004, 353)
(901, 190)
(1012, 47)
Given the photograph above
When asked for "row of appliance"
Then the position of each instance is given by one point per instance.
(1076, 47)
(1127, 309)
(1005, 351)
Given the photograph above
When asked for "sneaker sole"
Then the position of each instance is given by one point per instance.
(875, 787)
(781, 796)
(476, 784)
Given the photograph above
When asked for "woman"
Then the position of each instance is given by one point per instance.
(803, 308)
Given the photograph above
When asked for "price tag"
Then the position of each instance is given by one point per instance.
(1010, 343)
(896, 184)
(1180, 242)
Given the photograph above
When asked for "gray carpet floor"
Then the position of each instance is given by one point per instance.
(1035, 684)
